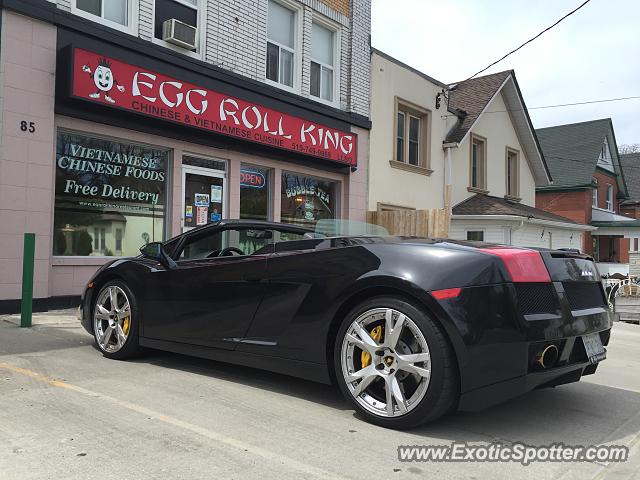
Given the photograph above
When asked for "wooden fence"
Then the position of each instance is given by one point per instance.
(433, 223)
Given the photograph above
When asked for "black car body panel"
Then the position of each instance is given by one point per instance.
(279, 309)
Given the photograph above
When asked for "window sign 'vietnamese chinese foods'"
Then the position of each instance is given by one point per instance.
(110, 196)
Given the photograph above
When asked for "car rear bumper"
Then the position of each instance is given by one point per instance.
(490, 395)
(497, 338)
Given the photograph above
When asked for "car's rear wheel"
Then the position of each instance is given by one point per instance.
(394, 364)
(115, 322)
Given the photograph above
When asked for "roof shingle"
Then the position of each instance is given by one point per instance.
(472, 96)
(572, 151)
(481, 204)
(630, 164)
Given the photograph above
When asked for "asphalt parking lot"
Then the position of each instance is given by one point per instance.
(69, 413)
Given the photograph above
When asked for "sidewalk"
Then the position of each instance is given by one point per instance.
(53, 317)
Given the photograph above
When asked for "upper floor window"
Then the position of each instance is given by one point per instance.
(281, 44)
(184, 11)
(114, 13)
(411, 134)
(609, 197)
(478, 163)
(594, 202)
(322, 62)
(513, 173)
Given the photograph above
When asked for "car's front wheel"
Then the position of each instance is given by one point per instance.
(115, 322)
(394, 364)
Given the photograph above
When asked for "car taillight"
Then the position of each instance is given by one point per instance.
(523, 265)
(446, 293)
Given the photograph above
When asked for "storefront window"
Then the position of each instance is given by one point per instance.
(110, 196)
(255, 195)
(306, 200)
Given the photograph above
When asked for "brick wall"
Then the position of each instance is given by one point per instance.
(235, 38)
(614, 249)
(603, 181)
(341, 6)
(360, 53)
(624, 245)
(632, 211)
(575, 205)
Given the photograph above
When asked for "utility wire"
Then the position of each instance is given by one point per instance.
(527, 42)
(586, 102)
(557, 105)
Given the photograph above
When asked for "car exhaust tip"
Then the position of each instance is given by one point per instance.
(548, 356)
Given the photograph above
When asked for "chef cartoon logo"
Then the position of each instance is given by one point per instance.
(103, 79)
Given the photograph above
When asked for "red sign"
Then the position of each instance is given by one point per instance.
(117, 84)
(250, 178)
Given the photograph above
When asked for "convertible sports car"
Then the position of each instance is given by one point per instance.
(409, 328)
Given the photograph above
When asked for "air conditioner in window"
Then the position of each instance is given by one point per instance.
(179, 33)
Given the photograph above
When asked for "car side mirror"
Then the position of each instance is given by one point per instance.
(155, 251)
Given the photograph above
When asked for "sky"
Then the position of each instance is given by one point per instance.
(593, 54)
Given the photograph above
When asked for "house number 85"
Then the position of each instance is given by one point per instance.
(27, 126)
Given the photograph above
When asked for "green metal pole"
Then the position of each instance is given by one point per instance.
(28, 255)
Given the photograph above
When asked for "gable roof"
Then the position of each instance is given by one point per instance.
(630, 164)
(572, 151)
(468, 100)
(481, 204)
(472, 97)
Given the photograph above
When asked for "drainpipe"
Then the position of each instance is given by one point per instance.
(448, 186)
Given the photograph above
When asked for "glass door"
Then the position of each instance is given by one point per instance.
(203, 196)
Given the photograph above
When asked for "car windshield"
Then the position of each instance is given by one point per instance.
(339, 228)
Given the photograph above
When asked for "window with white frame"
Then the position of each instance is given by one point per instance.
(184, 11)
(408, 138)
(594, 202)
(281, 43)
(610, 197)
(323, 44)
(112, 11)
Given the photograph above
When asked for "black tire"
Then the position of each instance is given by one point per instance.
(442, 393)
(131, 347)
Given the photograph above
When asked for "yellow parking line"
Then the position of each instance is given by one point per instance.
(212, 435)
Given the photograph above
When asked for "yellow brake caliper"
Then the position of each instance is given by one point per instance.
(125, 325)
(365, 357)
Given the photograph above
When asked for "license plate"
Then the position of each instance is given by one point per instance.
(594, 348)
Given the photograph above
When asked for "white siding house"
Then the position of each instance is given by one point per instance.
(472, 151)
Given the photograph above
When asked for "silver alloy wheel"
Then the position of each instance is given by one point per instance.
(397, 375)
(112, 318)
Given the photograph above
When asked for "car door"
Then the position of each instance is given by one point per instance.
(212, 295)
(305, 275)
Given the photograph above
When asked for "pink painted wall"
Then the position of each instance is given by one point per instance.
(27, 71)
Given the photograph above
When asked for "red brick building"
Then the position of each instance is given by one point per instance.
(589, 187)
